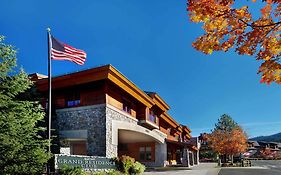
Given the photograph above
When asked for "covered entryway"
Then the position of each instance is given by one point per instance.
(146, 146)
(137, 145)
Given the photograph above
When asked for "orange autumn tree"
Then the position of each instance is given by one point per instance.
(228, 138)
(226, 25)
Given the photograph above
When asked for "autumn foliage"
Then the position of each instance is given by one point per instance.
(228, 142)
(228, 26)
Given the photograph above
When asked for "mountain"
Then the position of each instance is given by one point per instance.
(270, 138)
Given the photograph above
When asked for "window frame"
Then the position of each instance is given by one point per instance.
(73, 99)
(145, 154)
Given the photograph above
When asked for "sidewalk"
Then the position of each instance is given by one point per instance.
(201, 169)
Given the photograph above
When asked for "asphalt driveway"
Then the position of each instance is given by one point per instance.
(260, 167)
(202, 169)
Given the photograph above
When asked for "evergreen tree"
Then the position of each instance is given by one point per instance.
(225, 123)
(22, 149)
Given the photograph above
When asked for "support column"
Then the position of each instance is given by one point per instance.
(187, 157)
(160, 154)
(198, 157)
(190, 158)
(193, 162)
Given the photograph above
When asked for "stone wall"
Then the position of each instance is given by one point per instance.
(98, 121)
(90, 118)
(114, 114)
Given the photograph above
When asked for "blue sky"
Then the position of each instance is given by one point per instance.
(149, 41)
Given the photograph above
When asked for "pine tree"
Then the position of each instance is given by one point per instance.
(22, 149)
(225, 123)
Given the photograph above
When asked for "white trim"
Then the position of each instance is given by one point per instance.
(116, 125)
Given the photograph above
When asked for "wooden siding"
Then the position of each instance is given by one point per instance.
(133, 150)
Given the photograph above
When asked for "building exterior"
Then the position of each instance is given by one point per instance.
(206, 152)
(262, 149)
(99, 112)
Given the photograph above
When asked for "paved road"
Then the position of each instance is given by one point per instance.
(260, 167)
(202, 169)
(270, 164)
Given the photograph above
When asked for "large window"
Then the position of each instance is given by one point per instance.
(145, 153)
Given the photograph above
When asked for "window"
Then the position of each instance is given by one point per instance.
(127, 106)
(72, 103)
(73, 99)
(152, 117)
(145, 153)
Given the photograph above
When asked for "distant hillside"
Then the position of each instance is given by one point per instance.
(271, 138)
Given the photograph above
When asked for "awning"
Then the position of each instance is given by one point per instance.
(183, 144)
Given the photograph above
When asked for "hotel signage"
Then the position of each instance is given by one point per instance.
(86, 162)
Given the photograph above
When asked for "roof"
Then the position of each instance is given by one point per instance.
(190, 146)
(98, 73)
(255, 143)
(36, 76)
(158, 100)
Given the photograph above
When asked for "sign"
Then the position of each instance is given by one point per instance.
(85, 162)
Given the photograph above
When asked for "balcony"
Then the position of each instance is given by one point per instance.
(151, 122)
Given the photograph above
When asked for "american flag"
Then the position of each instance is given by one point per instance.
(62, 51)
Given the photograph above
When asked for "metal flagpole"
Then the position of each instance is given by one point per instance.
(50, 95)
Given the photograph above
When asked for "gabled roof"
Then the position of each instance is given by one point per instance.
(255, 143)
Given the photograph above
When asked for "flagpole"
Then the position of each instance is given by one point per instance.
(50, 95)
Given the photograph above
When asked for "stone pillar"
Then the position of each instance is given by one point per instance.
(197, 154)
(160, 154)
(191, 160)
(185, 158)
(195, 157)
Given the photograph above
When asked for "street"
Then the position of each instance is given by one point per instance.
(260, 167)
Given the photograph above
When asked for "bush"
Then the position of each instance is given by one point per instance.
(137, 168)
(126, 162)
(67, 170)
(128, 165)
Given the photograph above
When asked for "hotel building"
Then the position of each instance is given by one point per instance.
(99, 112)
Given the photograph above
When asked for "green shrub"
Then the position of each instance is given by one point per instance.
(114, 173)
(137, 168)
(128, 165)
(67, 170)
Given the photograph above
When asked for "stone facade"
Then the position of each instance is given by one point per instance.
(114, 114)
(90, 118)
(98, 121)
